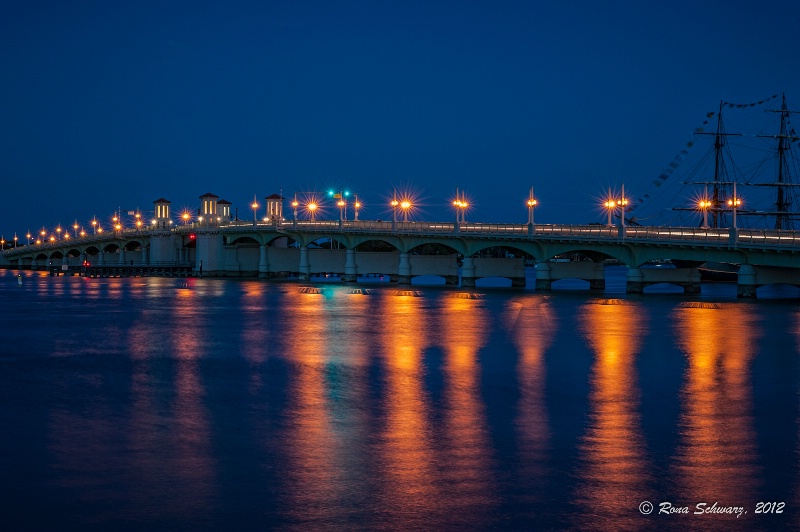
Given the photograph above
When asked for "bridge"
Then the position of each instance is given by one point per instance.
(459, 252)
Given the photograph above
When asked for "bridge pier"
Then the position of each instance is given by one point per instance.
(263, 264)
(305, 266)
(635, 281)
(746, 283)
(404, 270)
(543, 277)
(598, 280)
(468, 273)
(350, 268)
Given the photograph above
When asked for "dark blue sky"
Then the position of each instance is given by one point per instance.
(116, 104)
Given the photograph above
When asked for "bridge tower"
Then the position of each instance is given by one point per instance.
(274, 205)
(224, 210)
(163, 244)
(208, 208)
(209, 253)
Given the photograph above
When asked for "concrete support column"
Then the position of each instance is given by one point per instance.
(122, 255)
(305, 266)
(543, 280)
(635, 284)
(82, 258)
(232, 266)
(746, 284)
(101, 257)
(34, 264)
(468, 272)
(733, 236)
(598, 280)
(350, 268)
(531, 230)
(404, 270)
(263, 264)
(693, 285)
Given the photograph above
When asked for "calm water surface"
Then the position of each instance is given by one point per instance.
(198, 404)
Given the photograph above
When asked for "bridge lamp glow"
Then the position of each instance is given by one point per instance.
(100, 229)
(704, 204)
(75, 227)
(312, 209)
(253, 206)
(531, 203)
(406, 206)
(82, 233)
(356, 206)
(15, 239)
(52, 238)
(610, 205)
(94, 225)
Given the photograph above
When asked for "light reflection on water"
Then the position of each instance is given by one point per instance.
(718, 457)
(613, 452)
(175, 403)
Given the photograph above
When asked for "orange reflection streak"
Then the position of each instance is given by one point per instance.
(615, 470)
(254, 329)
(532, 324)
(323, 415)
(717, 456)
(467, 460)
(191, 434)
(405, 445)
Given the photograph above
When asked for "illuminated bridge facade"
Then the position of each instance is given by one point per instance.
(461, 253)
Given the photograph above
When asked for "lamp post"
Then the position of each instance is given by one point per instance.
(58, 230)
(28, 236)
(15, 240)
(623, 204)
(704, 204)
(610, 205)
(460, 204)
(94, 224)
(394, 203)
(342, 209)
(734, 203)
(531, 203)
(186, 217)
(356, 206)
(75, 227)
(295, 204)
(254, 206)
(406, 206)
(312, 208)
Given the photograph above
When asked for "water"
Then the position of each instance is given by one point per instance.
(199, 404)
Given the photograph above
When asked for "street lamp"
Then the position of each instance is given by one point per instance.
(312, 208)
(254, 206)
(75, 227)
(394, 204)
(186, 217)
(734, 203)
(622, 204)
(295, 204)
(15, 240)
(704, 204)
(28, 236)
(405, 205)
(342, 206)
(531, 203)
(610, 205)
(58, 230)
(460, 204)
(94, 224)
(356, 206)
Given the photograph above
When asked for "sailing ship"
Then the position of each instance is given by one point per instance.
(720, 200)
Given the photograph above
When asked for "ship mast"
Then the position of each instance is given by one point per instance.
(717, 196)
(783, 218)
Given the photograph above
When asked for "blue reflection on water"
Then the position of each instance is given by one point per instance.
(174, 403)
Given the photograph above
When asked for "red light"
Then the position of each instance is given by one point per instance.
(192, 236)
